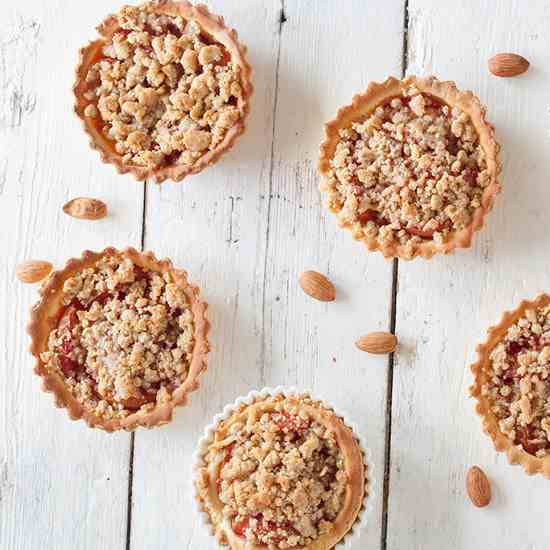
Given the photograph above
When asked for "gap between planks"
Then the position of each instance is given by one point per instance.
(282, 21)
(133, 434)
(393, 316)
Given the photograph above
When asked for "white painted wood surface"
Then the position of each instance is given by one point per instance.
(62, 486)
(244, 230)
(444, 307)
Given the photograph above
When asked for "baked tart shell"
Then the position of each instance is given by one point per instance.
(514, 453)
(88, 55)
(42, 322)
(364, 104)
(355, 457)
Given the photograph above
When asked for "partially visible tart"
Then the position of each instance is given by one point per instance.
(512, 385)
(411, 167)
(120, 338)
(164, 91)
(282, 472)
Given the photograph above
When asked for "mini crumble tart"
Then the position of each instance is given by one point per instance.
(164, 91)
(411, 167)
(283, 472)
(120, 338)
(512, 385)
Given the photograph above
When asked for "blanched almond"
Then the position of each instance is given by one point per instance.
(377, 342)
(33, 271)
(86, 208)
(317, 286)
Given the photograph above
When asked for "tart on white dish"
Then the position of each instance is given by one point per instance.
(282, 472)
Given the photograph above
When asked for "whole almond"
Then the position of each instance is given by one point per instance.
(86, 208)
(317, 286)
(478, 487)
(508, 64)
(377, 342)
(33, 271)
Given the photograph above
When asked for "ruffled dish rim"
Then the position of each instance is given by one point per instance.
(356, 521)
(40, 326)
(514, 453)
(363, 104)
(215, 26)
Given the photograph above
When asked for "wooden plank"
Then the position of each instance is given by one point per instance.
(326, 57)
(62, 485)
(445, 305)
(213, 225)
(265, 331)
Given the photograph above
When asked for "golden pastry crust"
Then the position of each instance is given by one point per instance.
(219, 479)
(145, 150)
(399, 237)
(507, 331)
(47, 323)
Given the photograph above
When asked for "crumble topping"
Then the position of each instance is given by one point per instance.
(518, 384)
(124, 337)
(412, 170)
(281, 480)
(164, 90)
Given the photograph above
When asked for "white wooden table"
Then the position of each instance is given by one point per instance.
(244, 230)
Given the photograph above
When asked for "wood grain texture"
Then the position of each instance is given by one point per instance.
(62, 485)
(444, 306)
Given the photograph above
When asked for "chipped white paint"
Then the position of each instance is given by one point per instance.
(244, 230)
(18, 46)
(420, 50)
